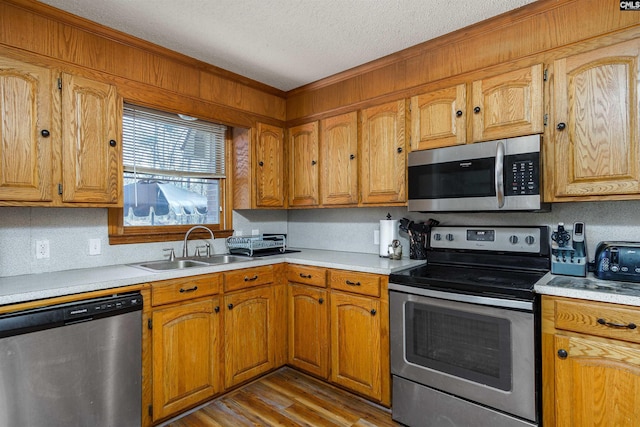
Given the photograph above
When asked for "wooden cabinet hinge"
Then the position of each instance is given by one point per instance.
(150, 324)
(150, 409)
(545, 75)
(60, 189)
(60, 83)
(545, 119)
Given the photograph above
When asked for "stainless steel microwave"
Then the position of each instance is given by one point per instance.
(501, 175)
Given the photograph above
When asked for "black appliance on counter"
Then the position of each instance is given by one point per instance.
(465, 329)
(618, 261)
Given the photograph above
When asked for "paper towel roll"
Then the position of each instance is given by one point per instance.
(388, 233)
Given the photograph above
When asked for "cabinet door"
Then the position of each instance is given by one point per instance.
(269, 166)
(248, 334)
(509, 104)
(339, 149)
(304, 171)
(27, 131)
(383, 158)
(355, 343)
(597, 384)
(185, 349)
(92, 143)
(309, 329)
(438, 118)
(595, 131)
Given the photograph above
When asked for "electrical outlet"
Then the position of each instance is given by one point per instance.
(376, 237)
(95, 247)
(255, 232)
(42, 249)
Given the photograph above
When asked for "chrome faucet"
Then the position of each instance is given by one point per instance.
(186, 236)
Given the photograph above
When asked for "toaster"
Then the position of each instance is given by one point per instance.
(618, 261)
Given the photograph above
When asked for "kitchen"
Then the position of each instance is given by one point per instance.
(350, 230)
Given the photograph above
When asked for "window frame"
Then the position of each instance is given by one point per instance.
(119, 234)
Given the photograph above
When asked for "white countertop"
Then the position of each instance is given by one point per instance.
(630, 295)
(15, 289)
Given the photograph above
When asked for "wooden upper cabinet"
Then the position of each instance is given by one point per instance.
(304, 170)
(269, 166)
(509, 104)
(595, 128)
(383, 154)
(92, 143)
(438, 118)
(27, 131)
(339, 159)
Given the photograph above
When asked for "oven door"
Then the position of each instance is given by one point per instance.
(481, 353)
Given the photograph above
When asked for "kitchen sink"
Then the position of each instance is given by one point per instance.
(181, 264)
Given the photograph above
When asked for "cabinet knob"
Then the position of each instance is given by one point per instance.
(373, 311)
(562, 353)
(260, 163)
(45, 133)
(217, 309)
(230, 306)
(399, 149)
(321, 300)
(561, 126)
(352, 156)
(313, 162)
(113, 143)
(476, 110)
(459, 113)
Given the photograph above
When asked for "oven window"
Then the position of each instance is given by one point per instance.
(468, 345)
(468, 178)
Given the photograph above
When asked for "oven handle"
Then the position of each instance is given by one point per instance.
(499, 171)
(473, 299)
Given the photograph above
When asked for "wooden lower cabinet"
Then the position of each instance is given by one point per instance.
(309, 329)
(249, 334)
(185, 359)
(593, 369)
(356, 351)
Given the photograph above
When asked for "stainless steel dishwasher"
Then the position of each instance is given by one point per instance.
(76, 364)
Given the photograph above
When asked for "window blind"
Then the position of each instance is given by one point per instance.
(162, 143)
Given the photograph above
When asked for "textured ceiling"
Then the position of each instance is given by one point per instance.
(286, 43)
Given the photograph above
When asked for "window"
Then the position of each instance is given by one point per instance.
(174, 173)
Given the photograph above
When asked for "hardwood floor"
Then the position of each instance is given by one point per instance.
(287, 397)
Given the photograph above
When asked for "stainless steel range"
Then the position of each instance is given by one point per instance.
(465, 329)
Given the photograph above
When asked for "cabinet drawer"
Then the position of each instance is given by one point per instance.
(314, 276)
(185, 288)
(601, 319)
(248, 277)
(351, 281)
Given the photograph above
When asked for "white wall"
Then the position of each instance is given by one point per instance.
(69, 230)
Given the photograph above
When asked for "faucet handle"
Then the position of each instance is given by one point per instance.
(172, 254)
(208, 246)
(198, 253)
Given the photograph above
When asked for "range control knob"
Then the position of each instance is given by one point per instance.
(615, 268)
(437, 236)
(450, 237)
(530, 240)
(513, 239)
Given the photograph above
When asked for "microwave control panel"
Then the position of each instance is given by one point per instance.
(522, 174)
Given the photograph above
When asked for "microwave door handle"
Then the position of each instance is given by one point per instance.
(499, 170)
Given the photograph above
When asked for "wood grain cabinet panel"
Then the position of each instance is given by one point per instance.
(269, 166)
(509, 104)
(595, 129)
(27, 131)
(249, 334)
(339, 159)
(383, 154)
(185, 348)
(304, 170)
(590, 363)
(356, 349)
(309, 329)
(438, 118)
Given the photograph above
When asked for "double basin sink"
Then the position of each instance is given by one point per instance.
(194, 262)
